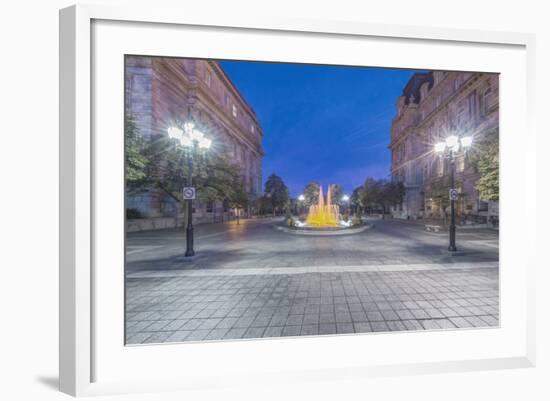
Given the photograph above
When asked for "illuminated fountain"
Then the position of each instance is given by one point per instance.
(323, 215)
(323, 219)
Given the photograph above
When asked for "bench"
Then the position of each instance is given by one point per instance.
(431, 227)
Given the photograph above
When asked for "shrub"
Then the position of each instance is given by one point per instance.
(356, 220)
(132, 213)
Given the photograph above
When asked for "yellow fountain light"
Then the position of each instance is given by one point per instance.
(323, 215)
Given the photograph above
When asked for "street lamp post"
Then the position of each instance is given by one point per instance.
(191, 139)
(452, 226)
(449, 148)
(189, 233)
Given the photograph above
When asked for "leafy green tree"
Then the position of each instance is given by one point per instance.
(485, 159)
(277, 193)
(238, 198)
(136, 159)
(214, 177)
(391, 194)
(439, 193)
(336, 192)
(311, 194)
(378, 194)
(356, 200)
(263, 205)
(372, 194)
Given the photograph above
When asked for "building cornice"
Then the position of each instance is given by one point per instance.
(192, 86)
(227, 121)
(229, 84)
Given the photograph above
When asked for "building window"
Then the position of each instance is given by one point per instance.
(208, 78)
(472, 105)
(209, 206)
(252, 129)
(425, 174)
(437, 101)
(234, 111)
(226, 99)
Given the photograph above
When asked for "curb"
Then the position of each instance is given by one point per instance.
(316, 233)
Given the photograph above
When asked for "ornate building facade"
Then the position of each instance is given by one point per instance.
(433, 105)
(162, 90)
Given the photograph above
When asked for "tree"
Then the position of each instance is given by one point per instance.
(371, 194)
(136, 160)
(336, 192)
(277, 193)
(485, 159)
(356, 200)
(311, 194)
(391, 194)
(439, 193)
(214, 177)
(378, 194)
(238, 198)
(262, 205)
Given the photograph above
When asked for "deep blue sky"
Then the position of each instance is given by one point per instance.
(325, 123)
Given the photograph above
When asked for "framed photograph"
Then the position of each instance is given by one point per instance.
(267, 200)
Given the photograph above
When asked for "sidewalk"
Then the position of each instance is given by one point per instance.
(441, 222)
(189, 306)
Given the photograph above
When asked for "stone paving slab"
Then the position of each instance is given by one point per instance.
(186, 306)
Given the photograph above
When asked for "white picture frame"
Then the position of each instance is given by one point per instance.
(81, 346)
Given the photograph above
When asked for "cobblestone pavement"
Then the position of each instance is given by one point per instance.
(175, 302)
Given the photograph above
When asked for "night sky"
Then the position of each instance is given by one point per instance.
(324, 123)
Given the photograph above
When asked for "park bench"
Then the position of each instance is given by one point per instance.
(432, 227)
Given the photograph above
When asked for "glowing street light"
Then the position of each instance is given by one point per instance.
(466, 141)
(189, 138)
(453, 144)
(301, 200)
(449, 148)
(439, 147)
(345, 199)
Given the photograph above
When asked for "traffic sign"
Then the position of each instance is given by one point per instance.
(453, 194)
(189, 193)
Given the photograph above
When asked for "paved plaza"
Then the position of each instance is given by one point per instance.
(252, 281)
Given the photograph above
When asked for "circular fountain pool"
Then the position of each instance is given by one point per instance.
(323, 219)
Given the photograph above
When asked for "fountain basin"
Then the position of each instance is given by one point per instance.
(324, 231)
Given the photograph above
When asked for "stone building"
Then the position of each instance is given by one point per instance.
(160, 91)
(434, 105)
